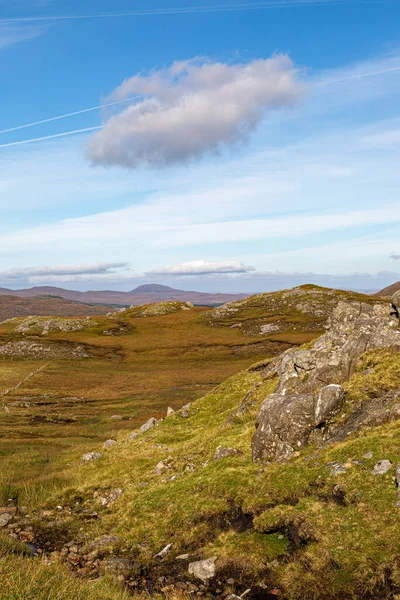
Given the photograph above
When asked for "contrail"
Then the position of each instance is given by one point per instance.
(358, 76)
(196, 9)
(51, 137)
(71, 114)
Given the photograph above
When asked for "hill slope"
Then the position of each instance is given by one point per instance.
(15, 306)
(321, 525)
(141, 295)
(389, 291)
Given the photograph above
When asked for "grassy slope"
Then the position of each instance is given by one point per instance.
(309, 537)
(305, 538)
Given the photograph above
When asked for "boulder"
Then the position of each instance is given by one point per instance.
(381, 467)
(308, 394)
(90, 457)
(225, 452)
(203, 569)
(125, 567)
(5, 518)
(185, 410)
(330, 401)
(152, 422)
(109, 444)
(283, 426)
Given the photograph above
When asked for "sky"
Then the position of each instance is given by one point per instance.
(237, 146)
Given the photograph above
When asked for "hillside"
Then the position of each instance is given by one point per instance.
(15, 306)
(144, 294)
(388, 292)
(319, 521)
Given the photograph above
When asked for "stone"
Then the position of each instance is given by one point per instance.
(203, 569)
(287, 421)
(160, 468)
(337, 468)
(90, 457)
(105, 541)
(283, 426)
(166, 550)
(5, 518)
(152, 422)
(367, 455)
(170, 411)
(184, 412)
(396, 302)
(116, 418)
(133, 436)
(110, 496)
(330, 401)
(183, 557)
(125, 567)
(381, 467)
(225, 452)
(109, 444)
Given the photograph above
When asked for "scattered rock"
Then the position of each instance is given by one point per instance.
(152, 422)
(133, 436)
(225, 452)
(90, 456)
(122, 567)
(164, 551)
(368, 455)
(337, 468)
(160, 468)
(381, 467)
(5, 518)
(116, 418)
(184, 412)
(110, 496)
(105, 541)
(203, 569)
(183, 557)
(109, 444)
(170, 411)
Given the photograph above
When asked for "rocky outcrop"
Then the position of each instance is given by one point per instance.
(308, 395)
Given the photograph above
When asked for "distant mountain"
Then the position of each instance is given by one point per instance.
(15, 306)
(141, 295)
(389, 291)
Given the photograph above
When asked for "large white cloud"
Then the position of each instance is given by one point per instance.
(202, 267)
(192, 108)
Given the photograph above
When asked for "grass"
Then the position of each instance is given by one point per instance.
(291, 526)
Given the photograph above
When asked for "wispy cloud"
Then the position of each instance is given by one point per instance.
(14, 34)
(192, 108)
(202, 267)
(395, 256)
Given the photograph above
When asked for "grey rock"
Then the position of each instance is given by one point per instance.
(203, 569)
(133, 436)
(90, 457)
(396, 302)
(330, 401)
(110, 497)
(381, 467)
(5, 518)
(152, 422)
(164, 551)
(105, 541)
(124, 567)
(225, 452)
(183, 557)
(337, 468)
(368, 455)
(287, 418)
(160, 468)
(116, 418)
(109, 444)
(184, 412)
(170, 411)
(284, 424)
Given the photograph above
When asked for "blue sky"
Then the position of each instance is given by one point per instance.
(296, 186)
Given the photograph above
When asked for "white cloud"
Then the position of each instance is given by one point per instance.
(61, 272)
(202, 267)
(395, 256)
(192, 108)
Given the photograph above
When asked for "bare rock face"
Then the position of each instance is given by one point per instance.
(396, 302)
(308, 395)
(329, 402)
